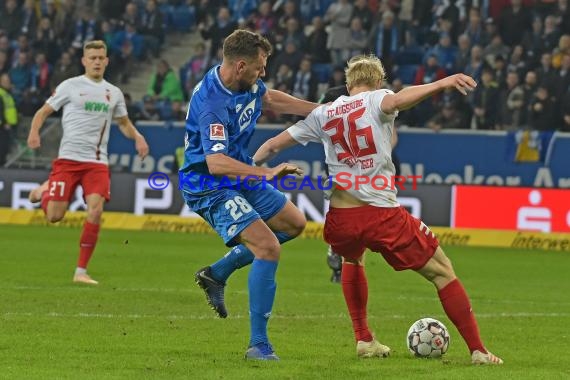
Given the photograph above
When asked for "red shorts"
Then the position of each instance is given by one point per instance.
(404, 241)
(67, 174)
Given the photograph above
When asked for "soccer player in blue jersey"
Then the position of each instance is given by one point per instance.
(254, 220)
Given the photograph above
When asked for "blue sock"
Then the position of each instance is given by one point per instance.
(262, 286)
(238, 257)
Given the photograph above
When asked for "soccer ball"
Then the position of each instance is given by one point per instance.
(428, 338)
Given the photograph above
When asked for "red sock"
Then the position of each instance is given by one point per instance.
(44, 201)
(87, 243)
(355, 290)
(458, 308)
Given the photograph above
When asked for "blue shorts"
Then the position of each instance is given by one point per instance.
(230, 211)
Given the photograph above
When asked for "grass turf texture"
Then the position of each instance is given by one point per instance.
(148, 320)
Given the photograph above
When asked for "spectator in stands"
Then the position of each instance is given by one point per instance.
(290, 56)
(317, 42)
(562, 14)
(294, 32)
(287, 11)
(86, 29)
(284, 78)
(41, 72)
(338, 17)
(475, 30)
(133, 109)
(562, 50)
(6, 48)
(475, 66)
(542, 110)
(337, 77)
(430, 71)
(561, 79)
(164, 84)
(130, 37)
(532, 40)
(218, 30)
(500, 71)
(132, 15)
(46, 41)
(64, 69)
(11, 19)
(512, 104)
(23, 44)
(193, 70)
(529, 87)
(494, 49)
(20, 76)
(4, 62)
(513, 22)
(151, 28)
(63, 22)
(358, 39)
(264, 19)
(517, 60)
(362, 11)
(545, 72)
(29, 18)
(447, 118)
(8, 117)
(445, 52)
(305, 82)
(485, 104)
(149, 110)
(551, 34)
(385, 40)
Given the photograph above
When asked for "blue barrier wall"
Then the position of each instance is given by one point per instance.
(446, 157)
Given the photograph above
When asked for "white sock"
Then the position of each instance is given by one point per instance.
(80, 271)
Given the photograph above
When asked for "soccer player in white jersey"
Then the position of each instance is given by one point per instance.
(90, 104)
(356, 131)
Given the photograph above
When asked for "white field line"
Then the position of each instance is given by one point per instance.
(277, 316)
(194, 289)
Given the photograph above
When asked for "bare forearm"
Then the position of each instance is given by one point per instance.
(129, 130)
(222, 165)
(38, 121)
(410, 96)
(265, 153)
(280, 102)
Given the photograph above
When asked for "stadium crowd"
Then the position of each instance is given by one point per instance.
(517, 50)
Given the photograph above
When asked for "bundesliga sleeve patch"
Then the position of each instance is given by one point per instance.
(217, 132)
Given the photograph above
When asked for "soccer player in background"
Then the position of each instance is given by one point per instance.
(221, 119)
(356, 132)
(90, 104)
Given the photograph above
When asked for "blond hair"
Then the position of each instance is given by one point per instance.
(95, 44)
(364, 70)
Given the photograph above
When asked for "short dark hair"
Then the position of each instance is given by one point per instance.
(333, 93)
(245, 44)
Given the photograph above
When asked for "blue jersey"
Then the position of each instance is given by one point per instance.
(218, 121)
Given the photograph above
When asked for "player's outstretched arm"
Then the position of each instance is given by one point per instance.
(129, 130)
(37, 122)
(410, 96)
(282, 103)
(221, 165)
(272, 147)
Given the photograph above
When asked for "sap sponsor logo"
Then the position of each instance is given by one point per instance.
(246, 115)
(217, 132)
(218, 147)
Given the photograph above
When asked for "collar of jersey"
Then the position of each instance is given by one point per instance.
(220, 83)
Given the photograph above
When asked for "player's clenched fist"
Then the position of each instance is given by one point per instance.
(34, 140)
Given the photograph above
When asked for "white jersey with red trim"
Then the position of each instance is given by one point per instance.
(88, 111)
(357, 137)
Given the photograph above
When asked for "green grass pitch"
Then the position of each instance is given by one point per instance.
(148, 320)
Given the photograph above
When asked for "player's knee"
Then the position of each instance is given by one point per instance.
(268, 250)
(94, 214)
(297, 225)
(55, 216)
